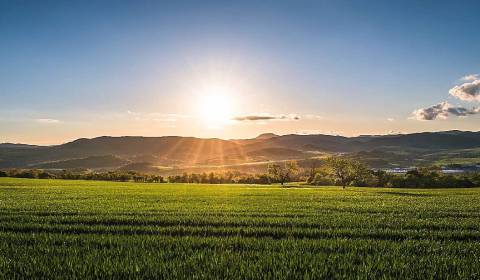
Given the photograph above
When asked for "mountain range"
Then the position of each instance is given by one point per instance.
(175, 152)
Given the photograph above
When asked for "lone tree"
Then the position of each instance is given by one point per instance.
(282, 172)
(344, 171)
(314, 163)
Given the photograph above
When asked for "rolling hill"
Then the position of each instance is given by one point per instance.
(175, 151)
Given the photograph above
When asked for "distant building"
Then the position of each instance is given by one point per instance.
(444, 169)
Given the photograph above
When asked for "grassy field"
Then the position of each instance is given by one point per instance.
(85, 229)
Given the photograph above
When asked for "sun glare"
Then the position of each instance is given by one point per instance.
(215, 107)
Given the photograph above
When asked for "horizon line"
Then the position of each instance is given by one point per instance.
(236, 139)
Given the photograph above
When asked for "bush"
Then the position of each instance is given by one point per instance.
(321, 180)
(45, 175)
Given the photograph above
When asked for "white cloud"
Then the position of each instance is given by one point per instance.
(313, 117)
(471, 77)
(442, 111)
(48, 121)
(390, 119)
(467, 91)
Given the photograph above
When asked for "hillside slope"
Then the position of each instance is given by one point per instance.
(383, 150)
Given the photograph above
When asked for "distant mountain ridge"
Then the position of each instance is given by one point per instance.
(16, 145)
(114, 152)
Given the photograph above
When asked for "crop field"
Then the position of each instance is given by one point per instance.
(55, 229)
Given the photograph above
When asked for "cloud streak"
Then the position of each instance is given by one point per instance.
(265, 117)
(47, 121)
(442, 111)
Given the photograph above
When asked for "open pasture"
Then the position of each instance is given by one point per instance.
(55, 229)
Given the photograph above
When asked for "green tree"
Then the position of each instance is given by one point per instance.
(313, 170)
(345, 171)
(283, 172)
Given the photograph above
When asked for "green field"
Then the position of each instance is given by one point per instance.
(86, 229)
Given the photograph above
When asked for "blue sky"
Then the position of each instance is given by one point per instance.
(73, 69)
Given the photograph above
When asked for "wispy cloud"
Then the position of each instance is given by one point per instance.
(312, 117)
(254, 118)
(157, 117)
(471, 77)
(266, 117)
(390, 119)
(442, 110)
(47, 121)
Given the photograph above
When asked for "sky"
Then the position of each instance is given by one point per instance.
(235, 69)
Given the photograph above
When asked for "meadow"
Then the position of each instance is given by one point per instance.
(59, 229)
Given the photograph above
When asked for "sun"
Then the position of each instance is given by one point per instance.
(215, 106)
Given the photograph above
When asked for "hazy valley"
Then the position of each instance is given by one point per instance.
(173, 154)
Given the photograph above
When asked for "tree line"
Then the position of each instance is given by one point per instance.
(339, 171)
(119, 176)
(345, 172)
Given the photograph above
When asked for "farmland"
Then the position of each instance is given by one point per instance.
(88, 229)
